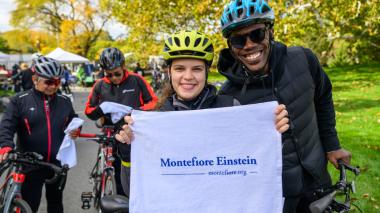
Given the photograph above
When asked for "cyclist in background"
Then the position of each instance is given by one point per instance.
(260, 69)
(187, 88)
(123, 87)
(39, 116)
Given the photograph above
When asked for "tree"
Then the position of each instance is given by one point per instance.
(339, 31)
(3, 45)
(29, 41)
(76, 23)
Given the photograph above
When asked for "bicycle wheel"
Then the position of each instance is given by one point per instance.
(109, 184)
(20, 206)
(96, 176)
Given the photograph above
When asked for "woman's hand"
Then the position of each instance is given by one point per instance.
(282, 120)
(125, 135)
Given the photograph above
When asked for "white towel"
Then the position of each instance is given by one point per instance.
(116, 110)
(67, 153)
(224, 160)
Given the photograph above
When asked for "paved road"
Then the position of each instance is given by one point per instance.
(78, 176)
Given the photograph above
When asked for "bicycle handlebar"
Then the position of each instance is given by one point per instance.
(33, 158)
(342, 185)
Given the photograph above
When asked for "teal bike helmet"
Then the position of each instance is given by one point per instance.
(240, 13)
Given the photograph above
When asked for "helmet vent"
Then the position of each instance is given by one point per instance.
(252, 10)
(196, 43)
(210, 48)
(240, 12)
(177, 42)
(265, 9)
(170, 40)
(205, 41)
(187, 41)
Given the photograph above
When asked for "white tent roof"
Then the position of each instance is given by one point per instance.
(3, 56)
(66, 57)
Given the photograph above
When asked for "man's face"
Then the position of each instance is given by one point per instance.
(251, 46)
(47, 86)
(115, 75)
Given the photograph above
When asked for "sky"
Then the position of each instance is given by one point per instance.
(6, 6)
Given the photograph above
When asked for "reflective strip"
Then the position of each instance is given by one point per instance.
(126, 164)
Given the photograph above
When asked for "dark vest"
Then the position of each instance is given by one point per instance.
(303, 149)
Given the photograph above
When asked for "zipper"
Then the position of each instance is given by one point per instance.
(27, 126)
(47, 114)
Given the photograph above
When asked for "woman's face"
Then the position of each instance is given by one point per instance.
(188, 77)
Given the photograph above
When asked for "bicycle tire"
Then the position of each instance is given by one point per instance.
(20, 206)
(97, 179)
(109, 187)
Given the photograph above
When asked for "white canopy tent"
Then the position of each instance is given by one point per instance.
(66, 57)
(3, 56)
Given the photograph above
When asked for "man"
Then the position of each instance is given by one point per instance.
(26, 77)
(39, 117)
(123, 87)
(260, 69)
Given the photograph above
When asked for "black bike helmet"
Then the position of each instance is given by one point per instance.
(47, 67)
(111, 58)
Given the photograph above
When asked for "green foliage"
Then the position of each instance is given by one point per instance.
(3, 45)
(29, 41)
(77, 24)
(357, 104)
(319, 25)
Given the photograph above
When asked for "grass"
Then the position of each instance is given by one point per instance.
(356, 93)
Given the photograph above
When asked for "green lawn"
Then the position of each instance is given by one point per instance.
(357, 104)
(356, 92)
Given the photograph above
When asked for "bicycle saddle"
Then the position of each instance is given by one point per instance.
(114, 203)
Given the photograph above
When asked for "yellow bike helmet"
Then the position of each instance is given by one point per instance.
(188, 44)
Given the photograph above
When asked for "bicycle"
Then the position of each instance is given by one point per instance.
(10, 195)
(102, 174)
(327, 201)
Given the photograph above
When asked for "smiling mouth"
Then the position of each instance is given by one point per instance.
(188, 86)
(253, 56)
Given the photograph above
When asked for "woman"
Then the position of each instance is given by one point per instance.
(189, 55)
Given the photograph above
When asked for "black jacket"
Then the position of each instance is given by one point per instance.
(133, 91)
(39, 122)
(297, 80)
(207, 99)
(26, 79)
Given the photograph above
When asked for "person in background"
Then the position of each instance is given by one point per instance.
(260, 69)
(139, 70)
(16, 78)
(122, 87)
(26, 77)
(66, 81)
(39, 117)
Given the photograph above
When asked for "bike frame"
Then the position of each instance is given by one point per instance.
(13, 184)
(104, 160)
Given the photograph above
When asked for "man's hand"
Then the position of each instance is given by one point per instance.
(339, 154)
(125, 135)
(4, 153)
(282, 120)
(74, 134)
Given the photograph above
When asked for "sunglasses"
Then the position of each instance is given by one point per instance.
(51, 82)
(116, 74)
(255, 36)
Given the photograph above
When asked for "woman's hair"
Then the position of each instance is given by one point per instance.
(167, 91)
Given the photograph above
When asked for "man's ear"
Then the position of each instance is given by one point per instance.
(35, 79)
